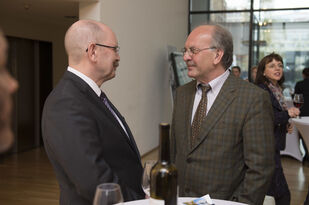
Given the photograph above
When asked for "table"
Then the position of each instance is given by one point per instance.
(302, 124)
(184, 199)
(292, 145)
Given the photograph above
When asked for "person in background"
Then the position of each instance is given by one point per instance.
(302, 87)
(222, 134)
(8, 86)
(86, 138)
(253, 73)
(270, 78)
(236, 71)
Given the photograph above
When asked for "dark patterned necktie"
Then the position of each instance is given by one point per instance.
(107, 103)
(104, 99)
(200, 114)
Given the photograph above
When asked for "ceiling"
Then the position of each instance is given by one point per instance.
(59, 12)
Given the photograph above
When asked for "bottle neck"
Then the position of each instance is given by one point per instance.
(164, 145)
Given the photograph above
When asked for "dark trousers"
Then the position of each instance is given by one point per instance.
(307, 199)
(284, 199)
(279, 187)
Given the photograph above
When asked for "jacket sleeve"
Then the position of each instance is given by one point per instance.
(72, 136)
(297, 88)
(259, 150)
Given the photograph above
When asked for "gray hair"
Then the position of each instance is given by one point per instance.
(222, 39)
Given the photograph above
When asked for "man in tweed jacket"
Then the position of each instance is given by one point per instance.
(232, 157)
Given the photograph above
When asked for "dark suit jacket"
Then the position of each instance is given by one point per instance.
(86, 145)
(281, 119)
(278, 186)
(302, 87)
(233, 156)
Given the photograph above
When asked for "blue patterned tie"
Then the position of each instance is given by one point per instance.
(104, 98)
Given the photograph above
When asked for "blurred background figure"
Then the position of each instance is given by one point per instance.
(270, 77)
(302, 87)
(8, 85)
(253, 73)
(236, 71)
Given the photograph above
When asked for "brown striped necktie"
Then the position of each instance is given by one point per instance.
(200, 114)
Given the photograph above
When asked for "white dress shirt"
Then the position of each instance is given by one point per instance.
(216, 85)
(96, 89)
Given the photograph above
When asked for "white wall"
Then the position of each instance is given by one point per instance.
(141, 88)
(144, 29)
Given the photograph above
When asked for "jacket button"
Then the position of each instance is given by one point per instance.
(189, 160)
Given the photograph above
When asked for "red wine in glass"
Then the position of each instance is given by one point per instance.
(298, 104)
(298, 101)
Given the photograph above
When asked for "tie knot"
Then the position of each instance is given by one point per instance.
(205, 88)
(102, 95)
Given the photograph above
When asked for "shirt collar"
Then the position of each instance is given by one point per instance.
(88, 80)
(217, 82)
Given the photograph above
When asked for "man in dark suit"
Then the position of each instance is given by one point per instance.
(222, 139)
(87, 140)
(302, 87)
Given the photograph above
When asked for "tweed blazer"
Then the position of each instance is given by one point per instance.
(233, 157)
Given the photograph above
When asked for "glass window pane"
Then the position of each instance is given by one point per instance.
(286, 33)
(275, 4)
(238, 25)
(209, 5)
(199, 5)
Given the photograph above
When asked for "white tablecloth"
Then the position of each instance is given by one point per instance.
(184, 199)
(302, 125)
(292, 145)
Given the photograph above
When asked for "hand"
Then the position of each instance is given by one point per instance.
(293, 112)
(289, 128)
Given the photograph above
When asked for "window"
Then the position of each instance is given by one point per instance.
(266, 26)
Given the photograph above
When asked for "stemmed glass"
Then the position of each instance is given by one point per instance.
(298, 101)
(146, 176)
(107, 194)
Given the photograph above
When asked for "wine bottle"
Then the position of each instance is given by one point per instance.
(163, 176)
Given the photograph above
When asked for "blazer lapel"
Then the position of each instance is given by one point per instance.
(87, 90)
(189, 96)
(128, 137)
(221, 103)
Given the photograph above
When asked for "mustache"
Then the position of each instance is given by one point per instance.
(190, 63)
(116, 63)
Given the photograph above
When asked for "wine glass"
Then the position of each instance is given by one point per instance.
(298, 101)
(146, 176)
(107, 194)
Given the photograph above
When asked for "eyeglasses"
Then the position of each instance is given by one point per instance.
(115, 48)
(193, 51)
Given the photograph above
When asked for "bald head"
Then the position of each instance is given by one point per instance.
(221, 39)
(80, 34)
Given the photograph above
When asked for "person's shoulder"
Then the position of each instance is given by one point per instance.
(187, 86)
(66, 90)
(243, 84)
